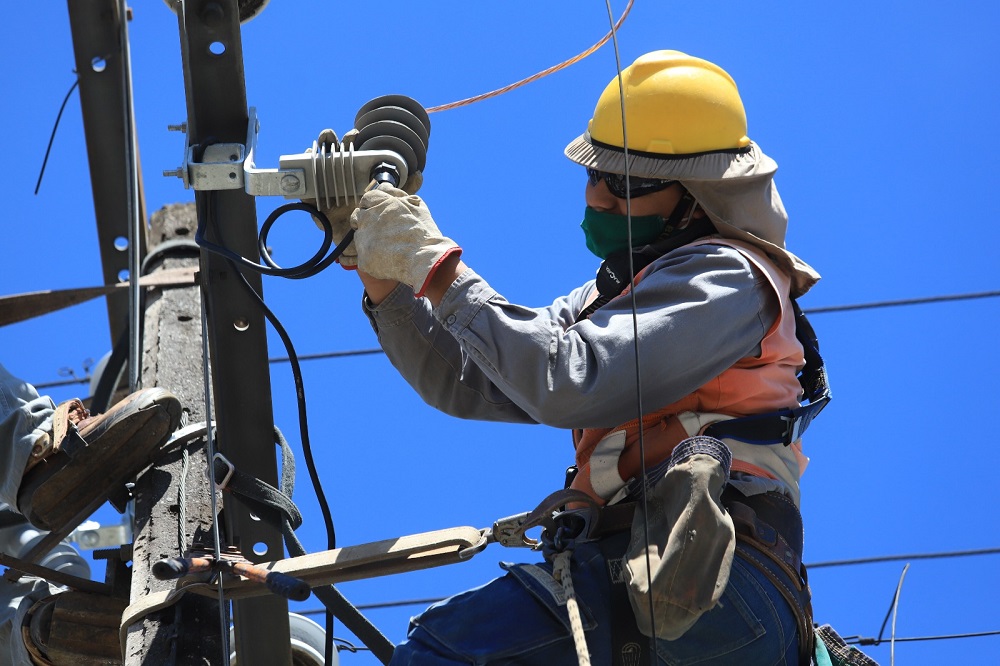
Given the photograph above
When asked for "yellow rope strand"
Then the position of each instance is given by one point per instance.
(560, 571)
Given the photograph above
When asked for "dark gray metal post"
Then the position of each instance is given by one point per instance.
(96, 29)
(212, 53)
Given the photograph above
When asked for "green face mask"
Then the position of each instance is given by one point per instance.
(607, 233)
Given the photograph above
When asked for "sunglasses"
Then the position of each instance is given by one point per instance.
(637, 187)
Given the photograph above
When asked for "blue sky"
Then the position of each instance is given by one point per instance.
(881, 117)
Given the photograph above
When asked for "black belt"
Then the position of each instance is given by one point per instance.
(629, 646)
(769, 536)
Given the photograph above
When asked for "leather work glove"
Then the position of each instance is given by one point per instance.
(340, 216)
(397, 238)
(691, 541)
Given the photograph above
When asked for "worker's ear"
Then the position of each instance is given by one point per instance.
(691, 541)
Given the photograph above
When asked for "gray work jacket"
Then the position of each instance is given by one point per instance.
(699, 309)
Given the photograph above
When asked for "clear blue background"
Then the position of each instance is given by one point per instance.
(881, 115)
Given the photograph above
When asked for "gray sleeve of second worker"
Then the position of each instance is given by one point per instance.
(698, 310)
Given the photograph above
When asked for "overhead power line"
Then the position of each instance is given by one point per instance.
(900, 558)
(818, 310)
(905, 301)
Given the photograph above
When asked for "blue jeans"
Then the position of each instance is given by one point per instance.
(24, 415)
(518, 619)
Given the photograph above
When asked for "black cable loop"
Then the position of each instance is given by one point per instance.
(170, 248)
(318, 262)
(296, 377)
(333, 598)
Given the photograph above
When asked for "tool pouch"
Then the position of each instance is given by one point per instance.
(691, 541)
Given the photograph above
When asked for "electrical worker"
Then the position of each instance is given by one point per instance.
(59, 464)
(690, 205)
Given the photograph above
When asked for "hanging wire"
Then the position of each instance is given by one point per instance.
(55, 127)
(545, 72)
(311, 267)
(893, 607)
(635, 333)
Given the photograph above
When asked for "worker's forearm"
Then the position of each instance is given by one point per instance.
(378, 289)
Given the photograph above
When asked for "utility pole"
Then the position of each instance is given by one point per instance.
(173, 501)
(176, 489)
(189, 632)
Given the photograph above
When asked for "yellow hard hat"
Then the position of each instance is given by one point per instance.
(675, 104)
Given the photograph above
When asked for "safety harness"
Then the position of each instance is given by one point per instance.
(769, 527)
(782, 426)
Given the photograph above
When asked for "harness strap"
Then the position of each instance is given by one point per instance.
(628, 645)
(253, 491)
(257, 493)
(797, 599)
(786, 425)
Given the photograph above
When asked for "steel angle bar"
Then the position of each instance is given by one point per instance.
(212, 55)
(19, 307)
(100, 65)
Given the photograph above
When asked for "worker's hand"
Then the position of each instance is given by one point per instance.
(397, 238)
(691, 541)
(340, 215)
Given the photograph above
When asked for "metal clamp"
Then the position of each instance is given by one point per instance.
(229, 473)
(331, 177)
(510, 531)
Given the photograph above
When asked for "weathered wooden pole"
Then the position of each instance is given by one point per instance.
(177, 487)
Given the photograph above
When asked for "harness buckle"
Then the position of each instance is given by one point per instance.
(793, 428)
(230, 468)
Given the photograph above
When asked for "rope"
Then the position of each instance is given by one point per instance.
(182, 502)
(206, 379)
(534, 77)
(561, 572)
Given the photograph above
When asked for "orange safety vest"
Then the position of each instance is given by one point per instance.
(607, 458)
